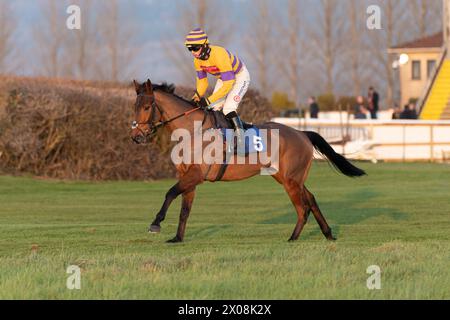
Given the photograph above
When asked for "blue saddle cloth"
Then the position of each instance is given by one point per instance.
(254, 141)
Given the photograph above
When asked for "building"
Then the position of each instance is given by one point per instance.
(418, 60)
(424, 69)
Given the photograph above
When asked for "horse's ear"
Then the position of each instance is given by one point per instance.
(149, 87)
(136, 86)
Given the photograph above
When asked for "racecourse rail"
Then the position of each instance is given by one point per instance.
(387, 140)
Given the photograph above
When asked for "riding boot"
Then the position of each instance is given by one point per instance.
(239, 129)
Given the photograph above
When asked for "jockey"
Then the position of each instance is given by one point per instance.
(233, 78)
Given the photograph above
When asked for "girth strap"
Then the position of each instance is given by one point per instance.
(222, 170)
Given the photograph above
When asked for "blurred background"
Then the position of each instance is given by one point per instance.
(293, 48)
(66, 95)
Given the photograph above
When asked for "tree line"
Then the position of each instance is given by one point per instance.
(299, 47)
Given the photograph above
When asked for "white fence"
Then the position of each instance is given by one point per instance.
(391, 140)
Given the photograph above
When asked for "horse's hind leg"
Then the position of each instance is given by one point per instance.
(326, 230)
(296, 194)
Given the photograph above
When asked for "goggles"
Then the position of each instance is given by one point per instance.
(194, 47)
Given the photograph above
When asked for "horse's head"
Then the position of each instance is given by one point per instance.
(148, 115)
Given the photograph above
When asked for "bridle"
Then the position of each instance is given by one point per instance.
(151, 121)
(155, 125)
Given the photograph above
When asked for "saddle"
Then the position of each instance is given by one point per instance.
(221, 122)
(254, 143)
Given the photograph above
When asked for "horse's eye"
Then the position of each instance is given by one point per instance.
(134, 125)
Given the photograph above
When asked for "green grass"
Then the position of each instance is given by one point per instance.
(236, 242)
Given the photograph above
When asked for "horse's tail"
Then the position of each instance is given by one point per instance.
(338, 161)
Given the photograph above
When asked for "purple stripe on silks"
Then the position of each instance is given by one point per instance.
(196, 39)
(239, 68)
(201, 75)
(197, 29)
(229, 54)
(234, 62)
(216, 74)
(227, 76)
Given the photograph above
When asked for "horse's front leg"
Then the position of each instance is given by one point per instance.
(188, 199)
(187, 183)
(171, 195)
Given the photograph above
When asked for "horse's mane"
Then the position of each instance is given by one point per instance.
(170, 89)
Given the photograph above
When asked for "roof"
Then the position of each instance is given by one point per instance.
(432, 41)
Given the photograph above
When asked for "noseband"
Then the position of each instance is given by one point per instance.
(154, 126)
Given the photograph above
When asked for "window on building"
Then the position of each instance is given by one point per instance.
(416, 70)
(431, 64)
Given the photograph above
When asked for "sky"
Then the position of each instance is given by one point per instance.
(157, 23)
(154, 18)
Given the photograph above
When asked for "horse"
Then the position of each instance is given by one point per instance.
(157, 106)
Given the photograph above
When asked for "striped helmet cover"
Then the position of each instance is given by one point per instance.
(196, 36)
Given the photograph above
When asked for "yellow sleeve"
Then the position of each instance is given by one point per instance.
(202, 80)
(228, 77)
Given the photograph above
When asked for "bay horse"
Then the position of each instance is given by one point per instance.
(157, 106)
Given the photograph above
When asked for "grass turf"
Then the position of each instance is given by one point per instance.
(236, 241)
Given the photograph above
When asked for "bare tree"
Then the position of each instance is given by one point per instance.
(110, 35)
(290, 43)
(426, 16)
(435, 20)
(50, 37)
(355, 45)
(394, 23)
(260, 42)
(116, 38)
(80, 44)
(420, 14)
(7, 27)
(356, 56)
(327, 38)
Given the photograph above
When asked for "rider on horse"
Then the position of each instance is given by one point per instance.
(233, 78)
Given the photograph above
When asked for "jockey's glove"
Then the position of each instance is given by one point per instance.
(203, 103)
(195, 98)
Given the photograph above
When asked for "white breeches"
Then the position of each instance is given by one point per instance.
(231, 102)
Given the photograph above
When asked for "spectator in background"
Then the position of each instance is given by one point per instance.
(360, 109)
(409, 113)
(396, 112)
(373, 99)
(313, 108)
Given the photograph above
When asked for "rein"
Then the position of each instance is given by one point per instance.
(155, 126)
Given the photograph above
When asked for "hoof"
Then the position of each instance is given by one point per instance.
(292, 240)
(174, 240)
(154, 229)
(329, 236)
